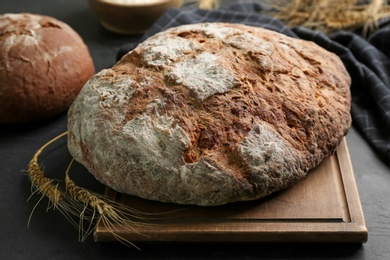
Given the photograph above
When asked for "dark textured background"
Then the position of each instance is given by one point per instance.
(50, 236)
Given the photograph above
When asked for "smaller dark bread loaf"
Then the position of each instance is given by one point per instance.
(43, 65)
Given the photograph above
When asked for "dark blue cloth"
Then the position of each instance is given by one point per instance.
(367, 61)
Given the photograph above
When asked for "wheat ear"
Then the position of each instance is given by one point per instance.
(46, 186)
(115, 216)
(77, 202)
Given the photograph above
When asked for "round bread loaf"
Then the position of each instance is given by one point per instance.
(211, 113)
(43, 65)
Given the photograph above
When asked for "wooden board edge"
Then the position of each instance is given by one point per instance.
(339, 233)
(357, 220)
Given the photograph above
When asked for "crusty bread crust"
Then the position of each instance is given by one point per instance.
(43, 65)
(211, 113)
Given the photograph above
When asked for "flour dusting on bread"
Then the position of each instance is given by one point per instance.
(163, 51)
(203, 74)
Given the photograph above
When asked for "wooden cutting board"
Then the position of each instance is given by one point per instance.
(324, 207)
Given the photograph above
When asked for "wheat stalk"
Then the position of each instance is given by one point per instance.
(78, 202)
(325, 15)
(331, 15)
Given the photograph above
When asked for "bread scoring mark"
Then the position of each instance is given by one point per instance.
(203, 74)
(161, 51)
(269, 157)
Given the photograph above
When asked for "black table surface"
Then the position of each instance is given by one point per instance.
(50, 236)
